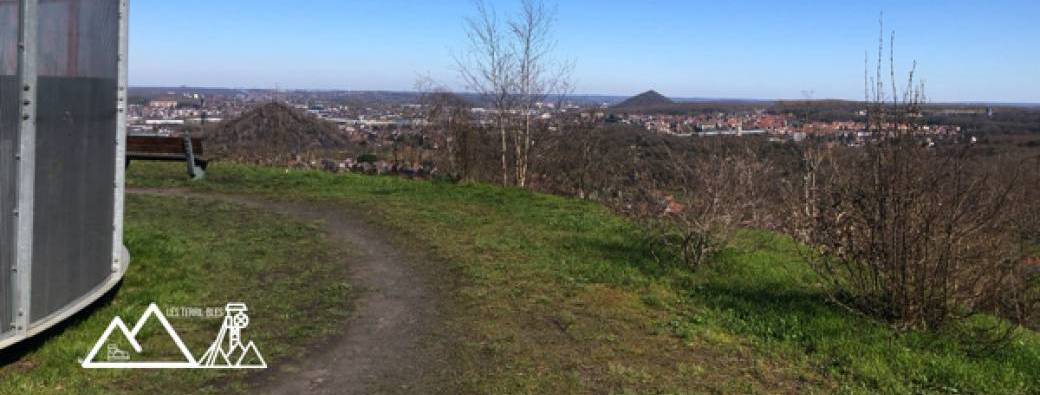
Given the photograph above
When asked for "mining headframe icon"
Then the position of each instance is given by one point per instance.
(227, 350)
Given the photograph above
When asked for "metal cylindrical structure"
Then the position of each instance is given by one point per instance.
(62, 149)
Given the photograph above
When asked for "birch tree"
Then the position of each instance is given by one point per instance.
(488, 68)
(509, 64)
(532, 40)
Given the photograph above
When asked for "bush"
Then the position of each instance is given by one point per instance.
(909, 234)
(1023, 306)
(718, 189)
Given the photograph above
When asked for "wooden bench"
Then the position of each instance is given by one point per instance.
(168, 149)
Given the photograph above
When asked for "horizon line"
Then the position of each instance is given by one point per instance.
(606, 95)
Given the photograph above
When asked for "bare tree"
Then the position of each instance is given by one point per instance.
(488, 68)
(511, 67)
(532, 35)
(900, 231)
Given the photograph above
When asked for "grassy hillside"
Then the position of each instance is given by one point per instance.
(559, 296)
(193, 253)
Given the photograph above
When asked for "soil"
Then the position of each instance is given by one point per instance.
(274, 133)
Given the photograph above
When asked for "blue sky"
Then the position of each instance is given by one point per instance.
(966, 50)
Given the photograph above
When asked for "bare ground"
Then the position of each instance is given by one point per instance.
(393, 342)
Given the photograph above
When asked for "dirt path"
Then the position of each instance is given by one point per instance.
(390, 343)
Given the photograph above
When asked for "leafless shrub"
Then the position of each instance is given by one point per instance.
(449, 127)
(908, 234)
(912, 235)
(575, 158)
(1029, 220)
(1022, 302)
(713, 193)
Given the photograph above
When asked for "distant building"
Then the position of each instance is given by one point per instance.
(163, 102)
(161, 122)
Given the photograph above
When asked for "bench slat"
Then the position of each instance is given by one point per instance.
(204, 164)
(161, 145)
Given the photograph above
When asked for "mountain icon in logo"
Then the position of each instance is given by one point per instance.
(228, 350)
(129, 336)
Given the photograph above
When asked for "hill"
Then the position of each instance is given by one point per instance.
(645, 100)
(274, 133)
(557, 295)
(651, 102)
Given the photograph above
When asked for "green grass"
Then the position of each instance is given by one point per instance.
(189, 253)
(557, 295)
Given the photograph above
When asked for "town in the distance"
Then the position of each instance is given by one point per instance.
(373, 122)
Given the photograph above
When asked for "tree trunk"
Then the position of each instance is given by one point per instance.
(505, 149)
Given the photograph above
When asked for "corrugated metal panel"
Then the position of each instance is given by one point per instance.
(72, 246)
(75, 151)
(62, 139)
(8, 146)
